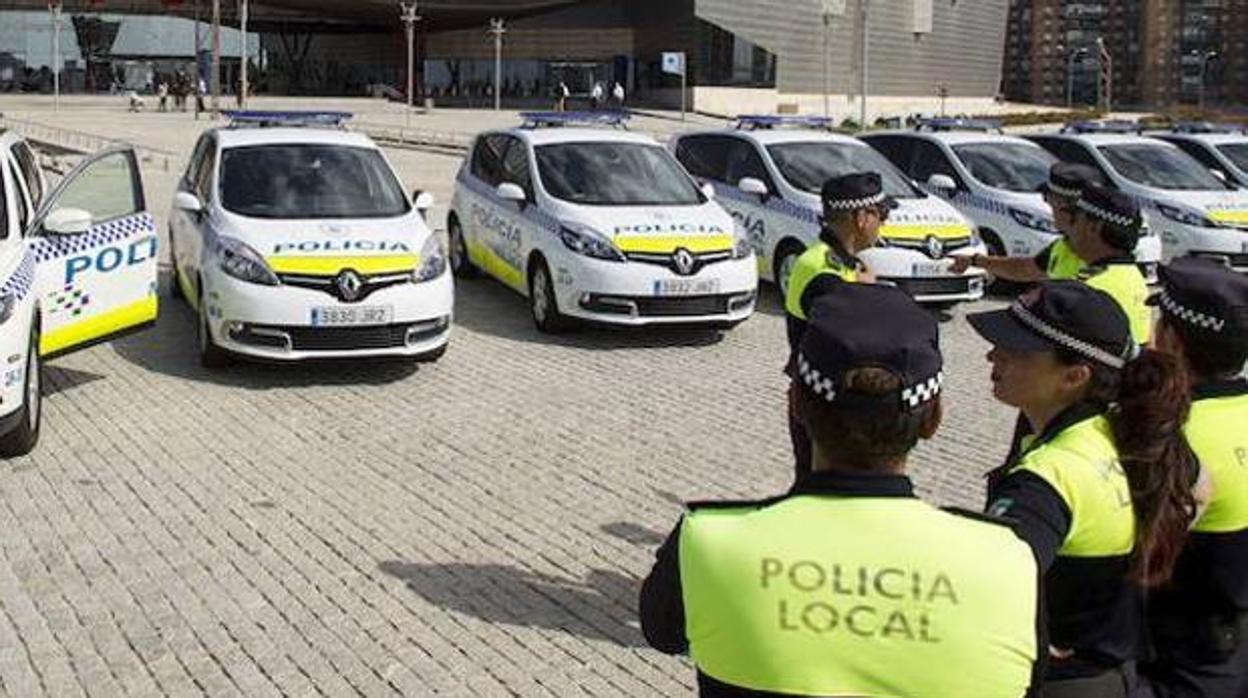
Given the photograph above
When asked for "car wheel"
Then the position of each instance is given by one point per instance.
(786, 260)
(23, 437)
(461, 266)
(542, 303)
(210, 355)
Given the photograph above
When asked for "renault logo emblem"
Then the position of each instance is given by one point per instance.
(683, 261)
(935, 248)
(349, 285)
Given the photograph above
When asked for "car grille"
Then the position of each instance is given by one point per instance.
(948, 246)
(328, 284)
(308, 338)
(669, 260)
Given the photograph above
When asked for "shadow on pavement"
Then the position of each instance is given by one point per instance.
(600, 607)
(488, 307)
(59, 379)
(169, 348)
(632, 533)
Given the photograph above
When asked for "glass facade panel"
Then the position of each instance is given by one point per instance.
(725, 59)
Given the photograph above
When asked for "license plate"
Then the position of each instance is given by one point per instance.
(930, 269)
(686, 287)
(361, 315)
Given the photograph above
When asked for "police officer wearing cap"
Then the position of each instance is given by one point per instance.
(1198, 625)
(854, 208)
(1103, 493)
(1062, 191)
(1106, 229)
(849, 584)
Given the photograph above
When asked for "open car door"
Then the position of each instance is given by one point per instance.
(95, 250)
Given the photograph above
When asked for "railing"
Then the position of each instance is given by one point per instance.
(84, 143)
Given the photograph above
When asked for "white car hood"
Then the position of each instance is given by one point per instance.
(1226, 207)
(915, 218)
(657, 229)
(326, 247)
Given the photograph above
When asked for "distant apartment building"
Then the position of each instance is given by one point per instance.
(1157, 51)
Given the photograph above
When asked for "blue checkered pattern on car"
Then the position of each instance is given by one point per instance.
(533, 213)
(22, 279)
(52, 247)
(775, 204)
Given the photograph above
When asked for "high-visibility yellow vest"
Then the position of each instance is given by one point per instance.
(1216, 432)
(1124, 282)
(870, 596)
(816, 261)
(1063, 262)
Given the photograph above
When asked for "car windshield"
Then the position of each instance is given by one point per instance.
(304, 181)
(615, 174)
(1236, 153)
(807, 165)
(1009, 166)
(1160, 166)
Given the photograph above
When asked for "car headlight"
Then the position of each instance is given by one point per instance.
(1186, 217)
(8, 303)
(243, 263)
(1031, 220)
(743, 247)
(432, 261)
(583, 240)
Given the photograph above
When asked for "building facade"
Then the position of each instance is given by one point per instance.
(1159, 52)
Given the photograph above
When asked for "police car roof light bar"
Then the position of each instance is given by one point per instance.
(540, 119)
(1209, 127)
(767, 121)
(1115, 126)
(957, 124)
(288, 118)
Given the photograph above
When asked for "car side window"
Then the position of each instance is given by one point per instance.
(487, 158)
(1198, 151)
(203, 178)
(1068, 151)
(705, 157)
(744, 161)
(195, 163)
(930, 160)
(19, 204)
(516, 166)
(29, 167)
(897, 151)
(4, 210)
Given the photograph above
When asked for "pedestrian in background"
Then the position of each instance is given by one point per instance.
(597, 95)
(162, 91)
(618, 93)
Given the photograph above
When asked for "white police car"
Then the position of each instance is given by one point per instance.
(992, 178)
(1196, 213)
(292, 238)
(599, 225)
(77, 266)
(1221, 148)
(768, 172)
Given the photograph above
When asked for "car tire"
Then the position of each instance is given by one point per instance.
(542, 302)
(23, 437)
(457, 246)
(211, 356)
(786, 258)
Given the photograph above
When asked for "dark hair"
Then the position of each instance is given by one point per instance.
(869, 439)
(1147, 406)
(1209, 357)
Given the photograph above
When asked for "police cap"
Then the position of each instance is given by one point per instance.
(855, 191)
(1066, 315)
(854, 326)
(1118, 211)
(1069, 179)
(1207, 299)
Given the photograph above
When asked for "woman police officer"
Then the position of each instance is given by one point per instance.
(1103, 493)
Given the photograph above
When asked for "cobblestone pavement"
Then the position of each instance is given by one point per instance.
(477, 526)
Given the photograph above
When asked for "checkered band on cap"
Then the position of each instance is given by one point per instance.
(854, 204)
(1108, 216)
(818, 383)
(1064, 191)
(911, 396)
(1189, 315)
(926, 391)
(1074, 344)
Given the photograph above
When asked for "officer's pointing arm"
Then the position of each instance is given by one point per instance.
(662, 606)
(1037, 513)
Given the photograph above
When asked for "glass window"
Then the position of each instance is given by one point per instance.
(196, 162)
(1237, 153)
(929, 160)
(1009, 166)
(516, 166)
(106, 188)
(806, 166)
(487, 158)
(203, 176)
(744, 161)
(897, 149)
(19, 205)
(1160, 166)
(705, 156)
(304, 181)
(30, 173)
(725, 59)
(1069, 151)
(4, 210)
(615, 174)
(1197, 151)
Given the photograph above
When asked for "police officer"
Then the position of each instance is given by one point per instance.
(1062, 192)
(854, 208)
(1107, 226)
(849, 584)
(1103, 496)
(1199, 624)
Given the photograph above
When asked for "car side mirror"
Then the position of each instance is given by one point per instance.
(708, 190)
(942, 181)
(752, 185)
(67, 221)
(186, 201)
(509, 191)
(422, 200)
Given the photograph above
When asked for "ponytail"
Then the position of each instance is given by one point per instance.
(1154, 398)
(1149, 401)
